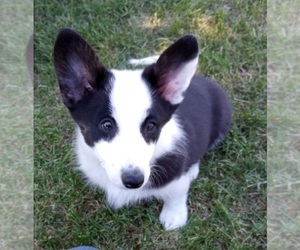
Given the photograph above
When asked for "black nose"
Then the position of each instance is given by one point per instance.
(132, 178)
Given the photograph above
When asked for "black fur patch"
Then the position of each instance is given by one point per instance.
(88, 114)
(167, 168)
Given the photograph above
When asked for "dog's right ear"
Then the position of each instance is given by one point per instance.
(171, 75)
(78, 69)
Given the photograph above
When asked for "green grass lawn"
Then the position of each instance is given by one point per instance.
(16, 119)
(227, 202)
(283, 125)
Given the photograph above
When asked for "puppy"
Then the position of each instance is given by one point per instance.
(140, 134)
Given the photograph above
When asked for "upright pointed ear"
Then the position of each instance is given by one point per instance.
(170, 76)
(77, 66)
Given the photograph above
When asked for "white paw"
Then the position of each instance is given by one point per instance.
(174, 217)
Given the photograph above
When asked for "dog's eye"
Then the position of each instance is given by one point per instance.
(107, 125)
(151, 126)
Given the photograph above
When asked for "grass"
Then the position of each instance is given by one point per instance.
(283, 126)
(16, 136)
(227, 202)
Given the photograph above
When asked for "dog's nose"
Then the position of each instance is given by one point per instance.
(132, 178)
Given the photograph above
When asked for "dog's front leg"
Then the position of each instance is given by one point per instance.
(174, 213)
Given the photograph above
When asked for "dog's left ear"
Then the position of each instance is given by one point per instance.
(170, 76)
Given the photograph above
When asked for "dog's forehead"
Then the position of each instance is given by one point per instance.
(130, 96)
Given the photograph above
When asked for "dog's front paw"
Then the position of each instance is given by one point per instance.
(173, 217)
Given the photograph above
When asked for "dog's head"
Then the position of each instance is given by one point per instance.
(121, 113)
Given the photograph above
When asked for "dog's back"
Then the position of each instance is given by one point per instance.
(205, 114)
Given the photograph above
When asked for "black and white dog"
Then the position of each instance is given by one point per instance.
(140, 134)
